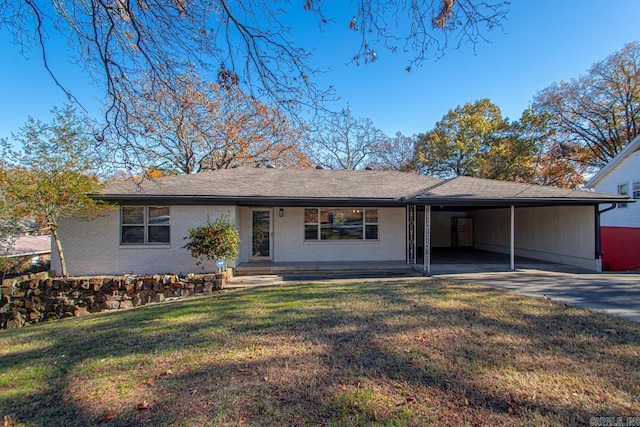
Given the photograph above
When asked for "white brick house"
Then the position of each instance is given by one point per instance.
(323, 216)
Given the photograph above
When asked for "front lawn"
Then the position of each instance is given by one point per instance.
(373, 353)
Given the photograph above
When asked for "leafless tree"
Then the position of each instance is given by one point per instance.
(342, 141)
(395, 153)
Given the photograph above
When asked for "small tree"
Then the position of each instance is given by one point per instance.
(214, 240)
(51, 175)
(7, 225)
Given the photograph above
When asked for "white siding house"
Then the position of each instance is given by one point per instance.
(620, 227)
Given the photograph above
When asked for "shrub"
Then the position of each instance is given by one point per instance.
(214, 240)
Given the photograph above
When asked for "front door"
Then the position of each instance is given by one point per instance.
(261, 247)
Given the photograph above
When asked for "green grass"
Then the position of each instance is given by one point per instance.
(392, 354)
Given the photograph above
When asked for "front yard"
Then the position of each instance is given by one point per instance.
(393, 353)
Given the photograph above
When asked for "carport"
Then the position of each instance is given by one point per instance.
(469, 221)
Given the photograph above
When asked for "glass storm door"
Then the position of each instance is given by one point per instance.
(261, 234)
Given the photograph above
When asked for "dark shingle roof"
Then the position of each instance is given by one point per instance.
(252, 184)
(280, 183)
(464, 187)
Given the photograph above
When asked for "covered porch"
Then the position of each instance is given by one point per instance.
(444, 261)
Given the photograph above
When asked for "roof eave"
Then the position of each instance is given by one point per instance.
(356, 201)
(623, 154)
(521, 201)
(252, 200)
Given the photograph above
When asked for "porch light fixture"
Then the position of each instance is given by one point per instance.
(281, 213)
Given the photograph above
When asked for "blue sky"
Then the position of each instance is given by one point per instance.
(542, 42)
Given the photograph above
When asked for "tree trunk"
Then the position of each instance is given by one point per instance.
(63, 265)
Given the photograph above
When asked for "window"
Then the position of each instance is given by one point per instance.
(623, 190)
(635, 188)
(142, 225)
(340, 224)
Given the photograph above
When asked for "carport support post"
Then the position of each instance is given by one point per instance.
(427, 241)
(513, 239)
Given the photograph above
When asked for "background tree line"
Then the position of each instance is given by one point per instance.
(571, 129)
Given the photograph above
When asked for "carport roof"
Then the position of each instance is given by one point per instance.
(326, 187)
(468, 190)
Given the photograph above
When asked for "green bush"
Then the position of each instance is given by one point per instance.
(214, 240)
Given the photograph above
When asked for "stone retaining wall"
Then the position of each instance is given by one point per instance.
(38, 297)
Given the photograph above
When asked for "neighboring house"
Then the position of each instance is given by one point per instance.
(620, 227)
(23, 246)
(297, 216)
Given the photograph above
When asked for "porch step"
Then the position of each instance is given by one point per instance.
(256, 268)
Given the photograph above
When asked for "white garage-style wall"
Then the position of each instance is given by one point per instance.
(93, 247)
(441, 228)
(560, 234)
(289, 244)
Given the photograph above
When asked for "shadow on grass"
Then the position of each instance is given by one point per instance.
(375, 353)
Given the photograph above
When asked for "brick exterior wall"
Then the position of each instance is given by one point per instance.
(92, 247)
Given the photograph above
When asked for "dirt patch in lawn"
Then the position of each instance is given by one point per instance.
(373, 353)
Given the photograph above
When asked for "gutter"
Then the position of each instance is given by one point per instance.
(343, 201)
(598, 237)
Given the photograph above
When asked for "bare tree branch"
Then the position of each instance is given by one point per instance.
(121, 42)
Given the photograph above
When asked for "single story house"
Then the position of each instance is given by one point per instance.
(327, 216)
(621, 227)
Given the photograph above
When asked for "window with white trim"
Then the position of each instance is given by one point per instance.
(635, 190)
(341, 224)
(623, 190)
(145, 225)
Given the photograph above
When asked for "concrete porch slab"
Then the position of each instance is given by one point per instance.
(326, 268)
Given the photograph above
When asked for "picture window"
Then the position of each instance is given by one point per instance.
(341, 224)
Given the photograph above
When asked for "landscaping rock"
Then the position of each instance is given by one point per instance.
(15, 321)
(80, 311)
(33, 298)
(111, 305)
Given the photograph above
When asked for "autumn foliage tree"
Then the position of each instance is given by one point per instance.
(51, 174)
(207, 126)
(592, 117)
(555, 162)
(474, 139)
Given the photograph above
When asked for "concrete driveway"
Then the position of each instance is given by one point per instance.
(615, 293)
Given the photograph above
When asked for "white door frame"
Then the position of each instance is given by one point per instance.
(270, 256)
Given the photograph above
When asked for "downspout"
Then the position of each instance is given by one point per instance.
(598, 237)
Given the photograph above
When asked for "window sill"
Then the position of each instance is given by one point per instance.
(148, 246)
(340, 242)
